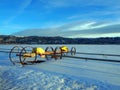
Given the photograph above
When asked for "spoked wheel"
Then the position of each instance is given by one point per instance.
(49, 50)
(73, 51)
(26, 56)
(57, 53)
(14, 54)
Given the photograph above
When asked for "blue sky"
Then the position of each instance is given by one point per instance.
(88, 16)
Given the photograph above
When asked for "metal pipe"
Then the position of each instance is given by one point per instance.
(98, 54)
(5, 51)
(96, 59)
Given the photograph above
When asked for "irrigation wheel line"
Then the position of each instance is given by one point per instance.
(72, 51)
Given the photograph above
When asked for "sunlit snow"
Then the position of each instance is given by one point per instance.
(65, 74)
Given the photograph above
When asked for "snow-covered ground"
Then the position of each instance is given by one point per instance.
(65, 74)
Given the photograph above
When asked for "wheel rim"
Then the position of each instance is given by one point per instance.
(14, 54)
(27, 60)
(49, 56)
(73, 51)
(57, 53)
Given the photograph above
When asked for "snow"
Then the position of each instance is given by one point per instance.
(26, 79)
(65, 74)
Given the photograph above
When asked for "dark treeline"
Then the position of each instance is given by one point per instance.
(8, 39)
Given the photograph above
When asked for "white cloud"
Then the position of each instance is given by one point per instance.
(89, 29)
(77, 26)
(94, 35)
(83, 26)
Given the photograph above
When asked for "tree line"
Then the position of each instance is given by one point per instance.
(8, 39)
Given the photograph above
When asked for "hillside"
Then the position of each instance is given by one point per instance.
(56, 40)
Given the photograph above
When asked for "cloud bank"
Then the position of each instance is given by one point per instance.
(76, 30)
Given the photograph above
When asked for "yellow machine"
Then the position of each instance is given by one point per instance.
(28, 54)
(36, 50)
(39, 51)
(64, 49)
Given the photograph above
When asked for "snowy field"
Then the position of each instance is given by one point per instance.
(65, 74)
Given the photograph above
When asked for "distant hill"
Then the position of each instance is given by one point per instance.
(4, 39)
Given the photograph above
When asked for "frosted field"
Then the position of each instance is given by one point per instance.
(65, 74)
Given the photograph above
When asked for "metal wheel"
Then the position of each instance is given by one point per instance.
(49, 56)
(57, 53)
(14, 54)
(26, 55)
(73, 51)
